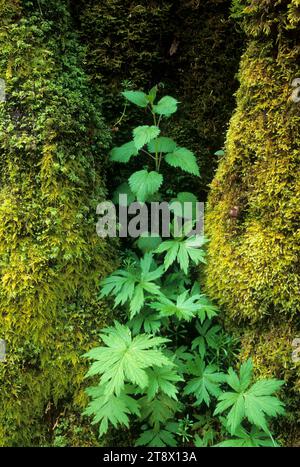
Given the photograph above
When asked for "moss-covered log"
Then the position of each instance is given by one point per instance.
(253, 212)
(52, 148)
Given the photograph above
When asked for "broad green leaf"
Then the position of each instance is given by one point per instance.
(166, 106)
(124, 359)
(183, 159)
(144, 134)
(253, 403)
(162, 380)
(161, 144)
(147, 321)
(144, 183)
(131, 285)
(123, 153)
(255, 438)
(182, 250)
(177, 205)
(148, 242)
(152, 94)
(207, 381)
(207, 337)
(186, 307)
(123, 189)
(159, 410)
(138, 98)
(159, 438)
(114, 410)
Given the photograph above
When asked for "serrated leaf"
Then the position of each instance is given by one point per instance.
(161, 144)
(253, 403)
(138, 98)
(184, 159)
(207, 381)
(131, 285)
(159, 410)
(114, 410)
(144, 134)
(158, 438)
(148, 242)
(125, 358)
(144, 183)
(182, 250)
(185, 308)
(166, 106)
(162, 380)
(123, 189)
(123, 153)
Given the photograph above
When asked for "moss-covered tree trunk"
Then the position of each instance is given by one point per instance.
(52, 146)
(253, 213)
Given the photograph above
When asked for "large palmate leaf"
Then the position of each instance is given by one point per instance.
(125, 358)
(256, 438)
(161, 144)
(207, 337)
(159, 410)
(251, 402)
(114, 410)
(186, 306)
(184, 159)
(166, 106)
(159, 438)
(144, 183)
(138, 98)
(206, 383)
(123, 153)
(144, 134)
(162, 379)
(183, 251)
(131, 285)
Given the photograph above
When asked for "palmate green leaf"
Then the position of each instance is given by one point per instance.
(186, 306)
(144, 183)
(159, 410)
(114, 410)
(184, 159)
(125, 358)
(251, 402)
(138, 98)
(146, 321)
(162, 379)
(144, 134)
(207, 337)
(133, 284)
(207, 381)
(183, 251)
(159, 438)
(161, 144)
(166, 106)
(123, 153)
(256, 438)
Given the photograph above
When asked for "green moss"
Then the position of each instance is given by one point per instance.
(53, 145)
(253, 268)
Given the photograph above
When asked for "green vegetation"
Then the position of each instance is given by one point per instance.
(141, 372)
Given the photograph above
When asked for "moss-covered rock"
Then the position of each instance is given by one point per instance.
(253, 211)
(52, 145)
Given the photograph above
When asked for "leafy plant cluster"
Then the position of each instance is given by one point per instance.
(167, 366)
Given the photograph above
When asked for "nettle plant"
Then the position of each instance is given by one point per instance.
(167, 365)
